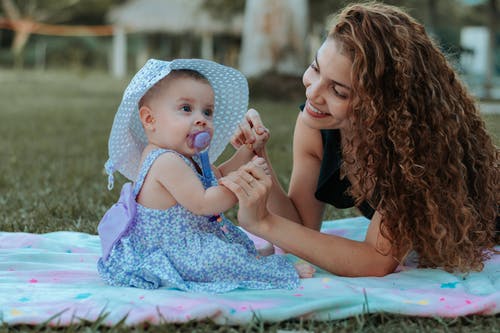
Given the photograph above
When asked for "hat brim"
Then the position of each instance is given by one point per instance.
(127, 138)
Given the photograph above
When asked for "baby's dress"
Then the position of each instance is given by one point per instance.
(175, 248)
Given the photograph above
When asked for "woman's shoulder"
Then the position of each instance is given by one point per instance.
(307, 140)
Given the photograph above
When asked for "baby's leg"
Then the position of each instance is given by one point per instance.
(305, 269)
(265, 249)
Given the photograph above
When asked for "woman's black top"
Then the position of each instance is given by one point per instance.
(331, 188)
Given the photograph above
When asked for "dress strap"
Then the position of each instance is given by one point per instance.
(148, 162)
(208, 178)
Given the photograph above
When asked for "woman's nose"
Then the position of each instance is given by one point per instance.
(313, 87)
(313, 92)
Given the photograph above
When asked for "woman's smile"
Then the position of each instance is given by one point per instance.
(314, 112)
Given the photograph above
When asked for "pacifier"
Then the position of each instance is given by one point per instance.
(201, 140)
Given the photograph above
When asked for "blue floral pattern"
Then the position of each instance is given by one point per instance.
(175, 248)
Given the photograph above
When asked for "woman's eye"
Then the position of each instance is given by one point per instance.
(313, 66)
(339, 94)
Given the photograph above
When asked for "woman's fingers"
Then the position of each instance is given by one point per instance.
(229, 181)
(260, 132)
(252, 179)
(251, 184)
(251, 132)
(253, 118)
(246, 132)
(239, 183)
(236, 140)
(248, 178)
(260, 141)
(259, 169)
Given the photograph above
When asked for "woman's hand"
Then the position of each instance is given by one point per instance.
(251, 184)
(252, 133)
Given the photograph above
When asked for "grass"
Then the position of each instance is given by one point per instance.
(54, 129)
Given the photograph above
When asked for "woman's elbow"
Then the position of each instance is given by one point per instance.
(368, 269)
(381, 269)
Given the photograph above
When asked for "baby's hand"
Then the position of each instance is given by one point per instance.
(252, 133)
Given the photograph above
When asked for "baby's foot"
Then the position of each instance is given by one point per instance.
(265, 249)
(305, 270)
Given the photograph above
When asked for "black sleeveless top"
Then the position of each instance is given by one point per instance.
(331, 188)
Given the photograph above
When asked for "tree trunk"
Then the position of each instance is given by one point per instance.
(21, 31)
(22, 34)
(431, 16)
(273, 37)
(490, 66)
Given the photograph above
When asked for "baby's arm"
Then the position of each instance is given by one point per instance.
(242, 156)
(184, 185)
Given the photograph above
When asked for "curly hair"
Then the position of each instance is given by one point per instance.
(419, 139)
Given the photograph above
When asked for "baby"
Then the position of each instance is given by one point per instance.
(167, 229)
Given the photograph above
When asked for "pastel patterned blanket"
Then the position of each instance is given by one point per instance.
(52, 277)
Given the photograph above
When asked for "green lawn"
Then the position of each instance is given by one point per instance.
(54, 129)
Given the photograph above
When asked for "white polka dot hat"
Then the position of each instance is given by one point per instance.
(127, 138)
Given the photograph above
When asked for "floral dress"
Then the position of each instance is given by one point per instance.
(175, 248)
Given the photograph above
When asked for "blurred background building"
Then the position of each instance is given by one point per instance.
(271, 37)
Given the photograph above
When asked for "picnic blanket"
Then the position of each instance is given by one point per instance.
(51, 278)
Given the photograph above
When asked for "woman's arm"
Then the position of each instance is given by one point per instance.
(335, 254)
(307, 157)
(299, 205)
(278, 200)
(338, 255)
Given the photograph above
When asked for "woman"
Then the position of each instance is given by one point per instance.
(388, 127)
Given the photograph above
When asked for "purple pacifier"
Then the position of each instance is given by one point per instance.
(201, 140)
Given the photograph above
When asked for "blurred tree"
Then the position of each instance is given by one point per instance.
(224, 8)
(485, 13)
(24, 14)
(436, 15)
(274, 37)
(492, 8)
(441, 18)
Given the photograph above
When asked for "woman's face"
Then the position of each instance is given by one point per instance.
(328, 89)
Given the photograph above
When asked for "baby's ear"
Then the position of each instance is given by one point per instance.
(147, 118)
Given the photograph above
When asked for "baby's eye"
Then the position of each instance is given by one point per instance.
(186, 108)
(313, 66)
(208, 112)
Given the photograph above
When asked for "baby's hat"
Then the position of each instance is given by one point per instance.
(128, 139)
